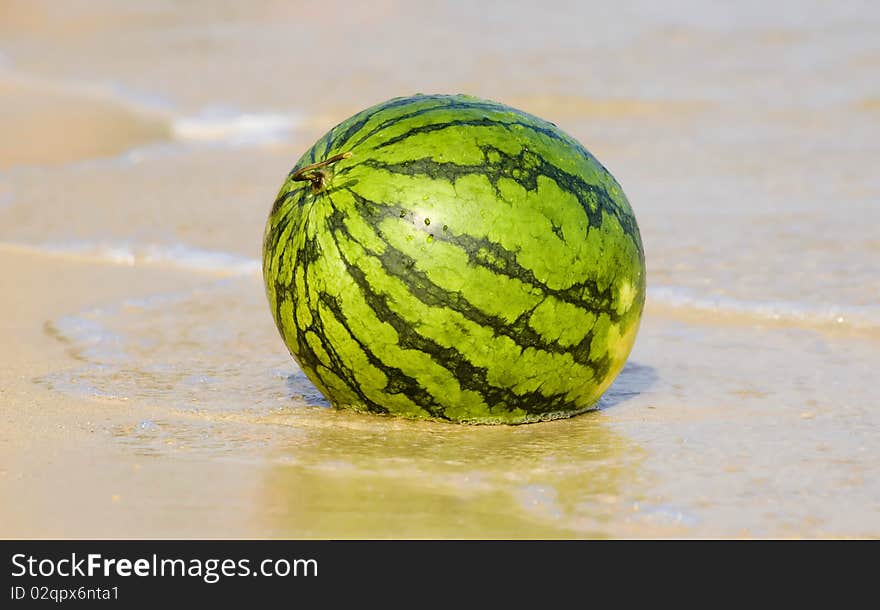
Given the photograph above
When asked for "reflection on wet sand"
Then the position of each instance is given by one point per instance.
(382, 479)
(352, 475)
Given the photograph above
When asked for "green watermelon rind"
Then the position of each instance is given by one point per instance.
(519, 301)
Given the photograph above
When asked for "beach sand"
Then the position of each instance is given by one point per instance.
(144, 391)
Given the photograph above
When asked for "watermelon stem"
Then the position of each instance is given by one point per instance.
(312, 173)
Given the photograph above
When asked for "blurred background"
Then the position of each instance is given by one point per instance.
(144, 387)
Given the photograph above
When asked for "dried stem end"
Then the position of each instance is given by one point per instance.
(315, 174)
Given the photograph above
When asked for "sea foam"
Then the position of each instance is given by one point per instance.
(858, 316)
(235, 128)
(178, 255)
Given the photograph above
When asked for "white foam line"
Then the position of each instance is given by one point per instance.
(107, 92)
(172, 255)
(235, 128)
(213, 124)
(840, 315)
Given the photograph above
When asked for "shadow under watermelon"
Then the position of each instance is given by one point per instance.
(634, 379)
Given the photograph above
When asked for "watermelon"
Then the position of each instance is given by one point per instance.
(452, 258)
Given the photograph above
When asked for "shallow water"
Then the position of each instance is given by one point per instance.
(151, 139)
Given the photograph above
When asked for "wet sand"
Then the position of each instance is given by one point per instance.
(144, 391)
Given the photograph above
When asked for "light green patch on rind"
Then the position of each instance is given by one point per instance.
(546, 320)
